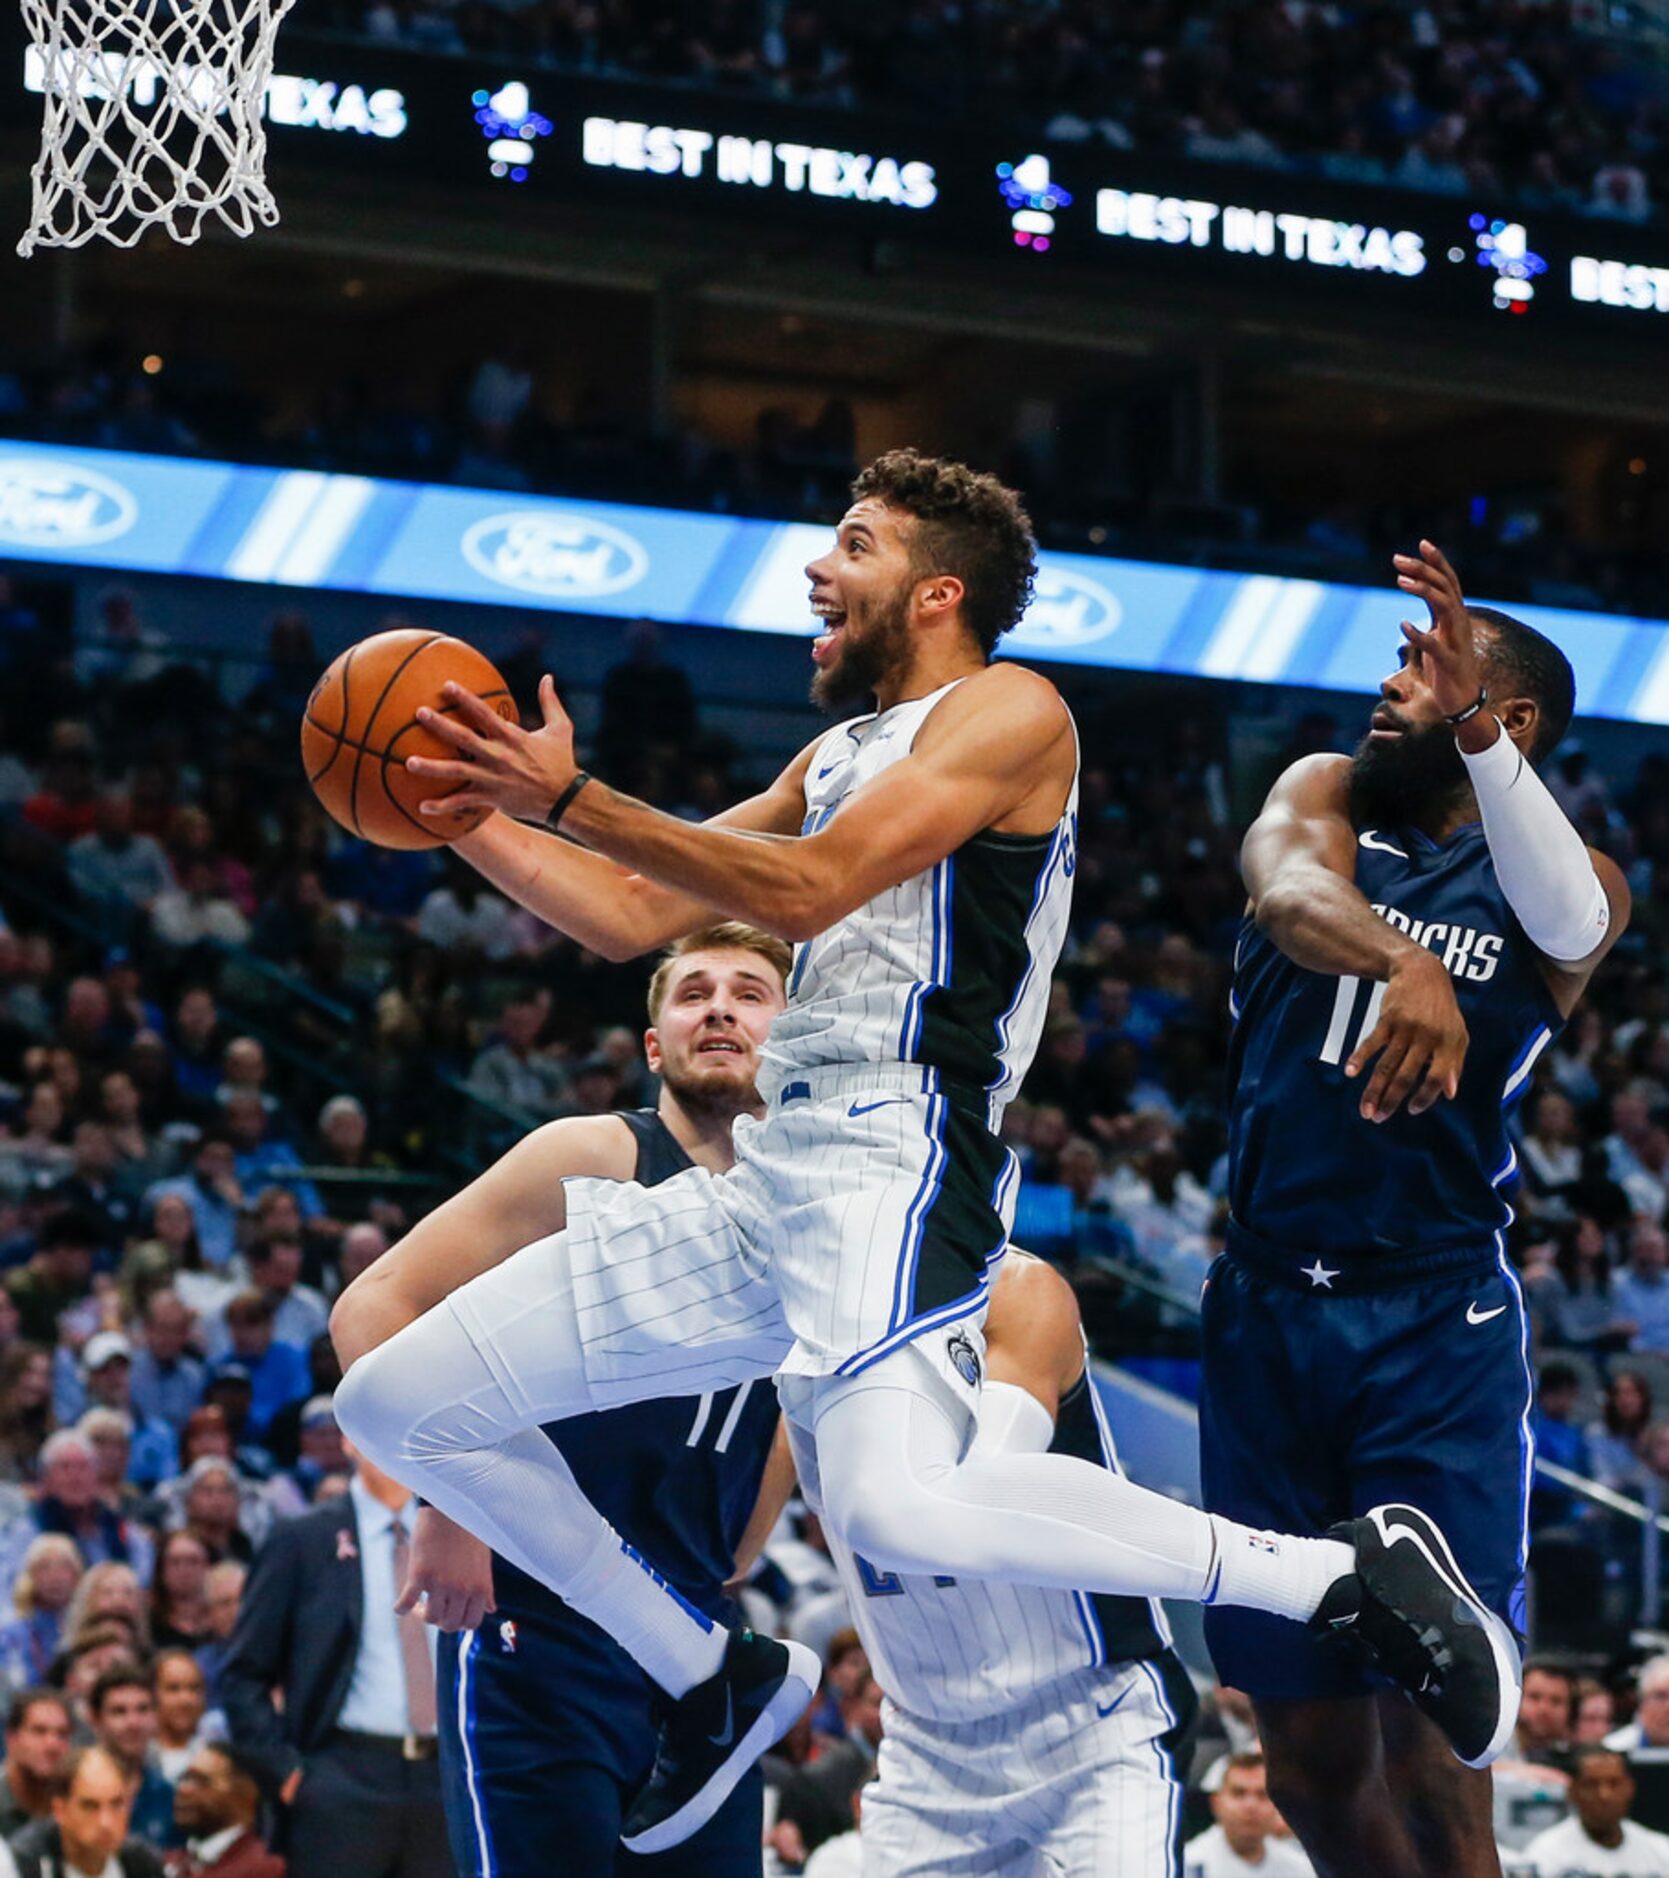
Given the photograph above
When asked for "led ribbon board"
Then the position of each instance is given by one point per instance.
(303, 528)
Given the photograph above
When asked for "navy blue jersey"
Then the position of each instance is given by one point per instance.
(677, 1479)
(1305, 1170)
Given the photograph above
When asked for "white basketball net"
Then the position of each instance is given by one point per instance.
(152, 117)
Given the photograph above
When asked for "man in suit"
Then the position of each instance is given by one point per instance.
(352, 1754)
(87, 1835)
(215, 1806)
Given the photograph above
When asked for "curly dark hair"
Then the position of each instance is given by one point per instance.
(970, 525)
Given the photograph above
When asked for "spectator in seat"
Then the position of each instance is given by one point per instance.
(70, 1504)
(1650, 1727)
(1558, 1439)
(113, 863)
(1546, 1715)
(38, 1742)
(258, 1157)
(107, 1368)
(29, 1643)
(1596, 1713)
(58, 1276)
(212, 1192)
(183, 1721)
(1578, 1306)
(817, 1798)
(215, 1807)
(180, 1597)
(224, 1600)
(65, 807)
(123, 1709)
(362, 1246)
(1614, 1440)
(167, 1379)
(1242, 1837)
(1640, 1291)
(213, 1509)
(89, 1186)
(277, 1372)
(25, 1409)
(1600, 1836)
(110, 1594)
(195, 1045)
(87, 1835)
(1552, 1154)
(513, 1070)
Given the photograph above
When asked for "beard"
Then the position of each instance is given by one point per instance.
(868, 656)
(709, 1099)
(1407, 780)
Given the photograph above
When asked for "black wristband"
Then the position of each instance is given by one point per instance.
(1471, 711)
(564, 802)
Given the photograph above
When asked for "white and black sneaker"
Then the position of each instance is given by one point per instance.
(715, 1733)
(1409, 1607)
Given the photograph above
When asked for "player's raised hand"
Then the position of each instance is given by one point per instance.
(499, 765)
(452, 1569)
(1420, 1040)
(1447, 657)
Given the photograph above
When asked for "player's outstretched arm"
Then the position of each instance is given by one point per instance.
(999, 752)
(1299, 863)
(608, 908)
(1572, 901)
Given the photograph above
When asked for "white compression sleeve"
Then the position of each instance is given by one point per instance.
(1011, 1421)
(1543, 865)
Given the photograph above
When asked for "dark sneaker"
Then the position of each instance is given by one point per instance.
(715, 1734)
(1409, 1607)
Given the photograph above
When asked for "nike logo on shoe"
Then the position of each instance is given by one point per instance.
(865, 1108)
(727, 1733)
(1475, 1316)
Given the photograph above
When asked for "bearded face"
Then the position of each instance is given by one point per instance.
(1402, 771)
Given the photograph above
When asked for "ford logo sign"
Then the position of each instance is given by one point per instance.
(1068, 609)
(56, 505)
(569, 557)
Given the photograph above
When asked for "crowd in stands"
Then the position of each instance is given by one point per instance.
(496, 424)
(192, 1163)
(1491, 99)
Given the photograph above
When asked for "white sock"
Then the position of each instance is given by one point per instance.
(1274, 1571)
(668, 1638)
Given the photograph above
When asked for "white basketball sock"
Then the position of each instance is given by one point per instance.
(428, 1408)
(892, 1486)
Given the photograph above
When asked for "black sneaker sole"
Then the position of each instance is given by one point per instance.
(798, 1686)
(1415, 1528)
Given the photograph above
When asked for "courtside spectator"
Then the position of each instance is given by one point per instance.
(122, 1706)
(41, 1595)
(1650, 1727)
(215, 1808)
(1242, 1838)
(1599, 1836)
(38, 1742)
(183, 1721)
(87, 1835)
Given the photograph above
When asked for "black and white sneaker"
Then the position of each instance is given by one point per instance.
(1409, 1607)
(715, 1733)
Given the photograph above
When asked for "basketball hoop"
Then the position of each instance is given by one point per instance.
(152, 117)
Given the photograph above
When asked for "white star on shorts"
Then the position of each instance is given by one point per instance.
(1319, 1275)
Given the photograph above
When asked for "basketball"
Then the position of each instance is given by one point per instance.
(361, 724)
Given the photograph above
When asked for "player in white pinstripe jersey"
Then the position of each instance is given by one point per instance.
(922, 860)
(1028, 1732)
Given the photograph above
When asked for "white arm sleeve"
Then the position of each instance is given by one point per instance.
(1011, 1421)
(1543, 866)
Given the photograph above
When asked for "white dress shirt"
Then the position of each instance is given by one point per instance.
(376, 1703)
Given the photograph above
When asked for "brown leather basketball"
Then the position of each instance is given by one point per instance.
(361, 724)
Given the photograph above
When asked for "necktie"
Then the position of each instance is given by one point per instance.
(414, 1648)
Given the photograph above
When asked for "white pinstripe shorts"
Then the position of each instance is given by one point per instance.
(1076, 1783)
(865, 1212)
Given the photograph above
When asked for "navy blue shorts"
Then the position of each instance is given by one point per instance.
(546, 1736)
(1321, 1401)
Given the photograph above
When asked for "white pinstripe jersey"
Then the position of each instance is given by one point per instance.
(965, 1649)
(950, 968)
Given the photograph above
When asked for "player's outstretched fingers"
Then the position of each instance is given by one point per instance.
(479, 716)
